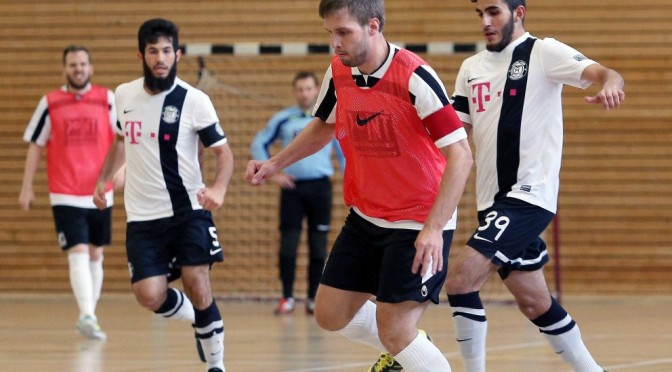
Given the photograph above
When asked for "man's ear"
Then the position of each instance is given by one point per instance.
(374, 26)
(519, 14)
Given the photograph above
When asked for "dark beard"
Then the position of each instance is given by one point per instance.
(72, 85)
(507, 35)
(158, 85)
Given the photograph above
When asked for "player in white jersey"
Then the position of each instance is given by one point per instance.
(509, 98)
(161, 121)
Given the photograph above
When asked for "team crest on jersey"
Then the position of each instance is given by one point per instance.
(518, 70)
(171, 114)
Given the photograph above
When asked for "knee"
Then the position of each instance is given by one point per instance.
(96, 255)
(397, 335)
(532, 306)
(317, 241)
(200, 300)
(199, 295)
(328, 320)
(456, 283)
(149, 300)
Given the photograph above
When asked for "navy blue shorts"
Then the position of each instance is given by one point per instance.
(508, 234)
(153, 247)
(371, 259)
(76, 225)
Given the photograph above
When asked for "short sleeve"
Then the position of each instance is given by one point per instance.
(564, 64)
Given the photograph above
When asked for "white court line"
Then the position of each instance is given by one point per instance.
(640, 364)
(502, 348)
(447, 355)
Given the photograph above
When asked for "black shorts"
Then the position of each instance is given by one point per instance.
(311, 199)
(371, 259)
(154, 246)
(76, 225)
(509, 235)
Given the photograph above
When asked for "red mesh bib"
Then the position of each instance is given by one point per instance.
(393, 168)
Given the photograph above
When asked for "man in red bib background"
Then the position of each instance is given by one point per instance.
(75, 125)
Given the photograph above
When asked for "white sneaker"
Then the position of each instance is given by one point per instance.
(89, 328)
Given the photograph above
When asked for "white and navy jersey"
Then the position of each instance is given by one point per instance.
(161, 134)
(427, 94)
(512, 99)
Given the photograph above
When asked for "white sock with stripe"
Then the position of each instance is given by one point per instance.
(471, 329)
(564, 336)
(177, 306)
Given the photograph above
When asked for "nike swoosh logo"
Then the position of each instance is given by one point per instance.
(466, 339)
(472, 79)
(481, 238)
(362, 122)
(215, 251)
(559, 352)
(127, 111)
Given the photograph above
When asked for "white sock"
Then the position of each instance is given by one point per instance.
(80, 281)
(213, 347)
(96, 268)
(471, 336)
(183, 309)
(363, 327)
(421, 355)
(571, 348)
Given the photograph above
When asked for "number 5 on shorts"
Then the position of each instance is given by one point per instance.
(213, 234)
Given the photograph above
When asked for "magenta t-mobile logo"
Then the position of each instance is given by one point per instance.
(133, 130)
(482, 95)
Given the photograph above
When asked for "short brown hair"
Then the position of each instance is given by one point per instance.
(361, 10)
(305, 75)
(76, 48)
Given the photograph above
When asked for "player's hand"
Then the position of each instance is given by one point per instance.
(26, 199)
(285, 181)
(429, 252)
(258, 172)
(211, 198)
(99, 196)
(610, 97)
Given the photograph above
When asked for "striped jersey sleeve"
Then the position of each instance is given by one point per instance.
(39, 126)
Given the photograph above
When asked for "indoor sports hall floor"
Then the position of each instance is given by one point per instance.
(37, 334)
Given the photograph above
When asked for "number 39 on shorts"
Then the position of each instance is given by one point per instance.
(500, 223)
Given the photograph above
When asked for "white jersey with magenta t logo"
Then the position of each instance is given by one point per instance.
(161, 134)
